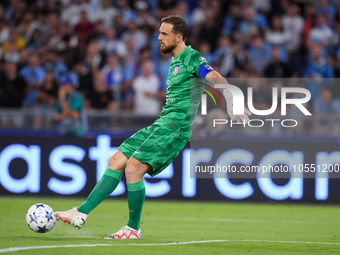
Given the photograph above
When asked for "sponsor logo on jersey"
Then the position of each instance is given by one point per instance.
(176, 70)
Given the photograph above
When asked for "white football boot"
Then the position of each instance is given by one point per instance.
(125, 233)
(72, 217)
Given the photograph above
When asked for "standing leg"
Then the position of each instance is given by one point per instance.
(134, 172)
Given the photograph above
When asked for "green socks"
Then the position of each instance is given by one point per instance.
(106, 185)
(136, 197)
(102, 190)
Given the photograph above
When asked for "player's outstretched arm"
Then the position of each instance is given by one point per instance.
(215, 77)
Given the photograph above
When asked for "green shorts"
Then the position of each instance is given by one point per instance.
(154, 145)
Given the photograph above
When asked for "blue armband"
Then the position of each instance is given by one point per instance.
(204, 70)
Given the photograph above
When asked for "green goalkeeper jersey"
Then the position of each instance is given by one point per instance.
(182, 96)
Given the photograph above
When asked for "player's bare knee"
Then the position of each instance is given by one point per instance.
(135, 170)
(118, 162)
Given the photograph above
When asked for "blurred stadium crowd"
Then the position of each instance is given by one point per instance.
(109, 49)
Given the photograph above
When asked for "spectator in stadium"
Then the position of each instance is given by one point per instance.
(261, 91)
(15, 11)
(12, 87)
(326, 107)
(321, 32)
(165, 8)
(111, 45)
(144, 19)
(210, 29)
(114, 76)
(217, 132)
(4, 32)
(127, 14)
(293, 23)
(12, 92)
(326, 9)
(205, 49)
(240, 60)
(69, 109)
(54, 64)
(217, 9)
(36, 42)
(52, 15)
(232, 18)
(55, 39)
(147, 93)
(134, 33)
(275, 67)
(198, 14)
(37, 25)
(48, 93)
(119, 25)
(94, 58)
(163, 68)
(83, 29)
(259, 54)
(98, 33)
(103, 97)
(252, 21)
(86, 81)
(223, 56)
(310, 18)
(71, 13)
(71, 54)
(14, 36)
(46, 99)
(61, 33)
(12, 54)
(129, 74)
(316, 69)
(276, 34)
(34, 75)
(106, 13)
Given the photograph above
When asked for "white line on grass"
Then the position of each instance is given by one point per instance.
(223, 219)
(12, 249)
(232, 220)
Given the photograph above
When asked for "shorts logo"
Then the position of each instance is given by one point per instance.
(208, 67)
(176, 70)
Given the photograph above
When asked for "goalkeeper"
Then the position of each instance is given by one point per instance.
(153, 148)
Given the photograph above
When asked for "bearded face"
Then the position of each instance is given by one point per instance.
(168, 48)
(167, 38)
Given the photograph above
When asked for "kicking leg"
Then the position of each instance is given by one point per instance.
(106, 185)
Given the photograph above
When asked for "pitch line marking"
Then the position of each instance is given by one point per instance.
(225, 220)
(12, 249)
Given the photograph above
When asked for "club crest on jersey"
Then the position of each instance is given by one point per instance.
(176, 70)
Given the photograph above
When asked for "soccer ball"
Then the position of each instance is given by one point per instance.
(40, 218)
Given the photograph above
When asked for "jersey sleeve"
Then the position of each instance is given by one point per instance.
(197, 65)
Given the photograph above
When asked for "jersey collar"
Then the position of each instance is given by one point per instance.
(181, 53)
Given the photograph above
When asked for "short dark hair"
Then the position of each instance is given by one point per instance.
(179, 25)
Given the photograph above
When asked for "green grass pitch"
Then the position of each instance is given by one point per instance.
(241, 228)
